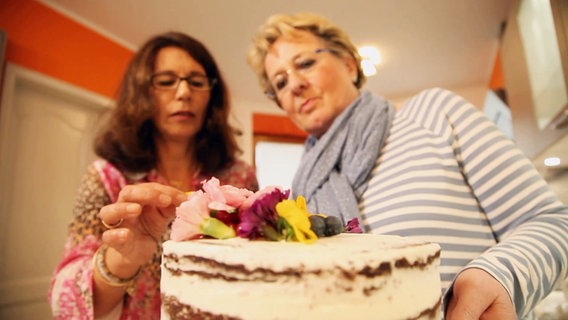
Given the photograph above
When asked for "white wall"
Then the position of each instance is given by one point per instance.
(242, 119)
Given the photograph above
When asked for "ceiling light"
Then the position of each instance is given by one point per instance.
(552, 162)
(368, 67)
(370, 59)
(370, 53)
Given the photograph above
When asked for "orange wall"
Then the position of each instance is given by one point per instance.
(43, 40)
(497, 81)
(274, 125)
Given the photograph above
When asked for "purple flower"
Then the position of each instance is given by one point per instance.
(353, 226)
(258, 213)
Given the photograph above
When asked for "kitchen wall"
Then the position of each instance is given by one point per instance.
(45, 41)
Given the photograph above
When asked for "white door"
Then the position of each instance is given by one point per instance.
(46, 132)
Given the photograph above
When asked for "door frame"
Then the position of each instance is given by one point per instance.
(18, 292)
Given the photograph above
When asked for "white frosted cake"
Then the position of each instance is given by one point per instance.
(347, 276)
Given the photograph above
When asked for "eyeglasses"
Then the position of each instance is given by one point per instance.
(170, 81)
(304, 64)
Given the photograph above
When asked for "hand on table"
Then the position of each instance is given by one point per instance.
(477, 295)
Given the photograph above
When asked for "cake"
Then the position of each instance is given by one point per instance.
(347, 276)
(235, 254)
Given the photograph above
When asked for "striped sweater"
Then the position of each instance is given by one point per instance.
(446, 174)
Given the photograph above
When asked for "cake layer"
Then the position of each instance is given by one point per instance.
(355, 276)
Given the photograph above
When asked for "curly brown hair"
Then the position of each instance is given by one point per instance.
(127, 139)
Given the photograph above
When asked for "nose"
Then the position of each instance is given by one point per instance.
(297, 81)
(183, 90)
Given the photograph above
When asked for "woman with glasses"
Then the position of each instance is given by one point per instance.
(168, 132)
(436, 169)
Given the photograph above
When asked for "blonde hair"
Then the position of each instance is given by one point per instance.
(289, 25)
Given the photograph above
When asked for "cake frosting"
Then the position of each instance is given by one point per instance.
(347, 276)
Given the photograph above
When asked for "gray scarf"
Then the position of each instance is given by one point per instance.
(334, 170)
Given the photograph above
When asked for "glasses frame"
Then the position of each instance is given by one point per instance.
(269, 93)
(211, 81)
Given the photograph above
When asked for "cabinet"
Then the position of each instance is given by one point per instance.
(535, 68)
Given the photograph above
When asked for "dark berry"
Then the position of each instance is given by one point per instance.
(333, 226)
(318, 225)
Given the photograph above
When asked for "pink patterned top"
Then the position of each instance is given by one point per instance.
(71, 289)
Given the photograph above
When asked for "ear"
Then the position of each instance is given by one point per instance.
(351, 66)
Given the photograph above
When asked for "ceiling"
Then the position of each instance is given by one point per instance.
(448, 43)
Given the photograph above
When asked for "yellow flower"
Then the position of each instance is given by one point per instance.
(297, 216)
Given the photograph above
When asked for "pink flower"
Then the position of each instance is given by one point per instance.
(226, 197)
(261, 193)
(190, 215)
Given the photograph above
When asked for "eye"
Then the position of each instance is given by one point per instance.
(165, 80)
(280, 82)
(305, 63)
(198, 82)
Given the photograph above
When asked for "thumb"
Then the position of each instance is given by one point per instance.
(472, 295)
(477, 295)
(464, 307)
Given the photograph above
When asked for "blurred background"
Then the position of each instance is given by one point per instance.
(62, 61)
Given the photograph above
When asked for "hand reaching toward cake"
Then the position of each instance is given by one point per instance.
(136, 223)
(477, 295)
(145, 211)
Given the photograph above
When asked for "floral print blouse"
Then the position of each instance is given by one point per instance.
(71, 289)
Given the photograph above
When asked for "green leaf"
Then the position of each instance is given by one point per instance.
(215, 228)
(271, 234)
(285, 229)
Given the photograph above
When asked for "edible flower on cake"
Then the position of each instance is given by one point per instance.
(258, 216)
(296, 214)
(353, 226)
(224, 211)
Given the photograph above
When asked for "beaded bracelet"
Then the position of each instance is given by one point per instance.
(105, 274)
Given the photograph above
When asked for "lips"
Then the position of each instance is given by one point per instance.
(307, 106)
(186, 114)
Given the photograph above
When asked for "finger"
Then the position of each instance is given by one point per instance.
(116, 238)
(476, 292)
(129, 246)
(114, 213)
(177, 195)
(168, 212)
(156, 220)
(152, 194)
(122, 240)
